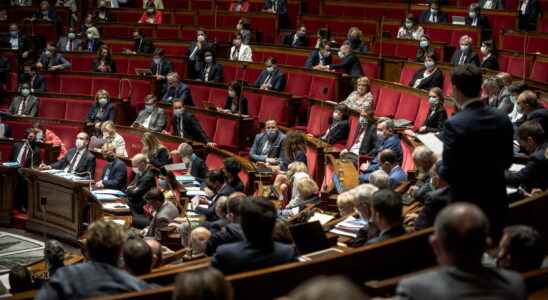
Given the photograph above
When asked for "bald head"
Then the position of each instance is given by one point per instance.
(528, 101)
(461, 230)
(156, 252)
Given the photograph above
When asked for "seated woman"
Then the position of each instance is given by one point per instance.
(239, 6)
(339, 128)
(323, 34)
(424, 49)
(110, 136)
(427, 77)
(47, 136)
(355, 38)
(346, 204)
(210, 71)
(157, 154)
(361, 98)
(489, 60)
(235, 102)
(307, 194)
(284, 187)
(436, 112)
(170, 187)
(244, 29)
(411, 29)
(103, 63)
(92, 41)
(293, 149)
(102, 110)
(151, 16)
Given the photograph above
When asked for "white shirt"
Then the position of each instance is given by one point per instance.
(21, 152)
(356, 147)
(523, 6)
(488, 4)
(76, 160)
(2, 130)
(14, 43)
(146, 123)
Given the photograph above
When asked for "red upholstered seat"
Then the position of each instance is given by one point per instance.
(296, 60)
(214, 161)
(370, 69)
(229, 72)
(200, 94)
(245, 179)
(173, 49)
(354, 126)
(322, 88)
(167, 33)
(135, 90)
(115, 32)
(11, 86)
(66, 133)
(127, 16)
(514, 42)
(298, 84)
(251, 75)
(253, 103)
(405, 50)
(183, 17)
(218, 96)
(388, 48)
(542, 25)
(77, 110)
(122, 65)
(78, 85)
(52, 108)
(408, 107)
(387, 102)
(318, 119)
(274, 108)
(539, 72)
(111, 85)
(407, 162)
(54, 82)
(137, 64)
(312, 160)
(208, 123)
(99, 167)
(226, 133)
(422, 113)
(517, 66)
(407, 73)
(5, 152)
(537, 44)
(80, 63)
(328, 177)
(133, 144)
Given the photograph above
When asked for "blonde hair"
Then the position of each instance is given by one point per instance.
(100, 93)
(295, 167)
(355, 29)
(307, 187)
(94, 32)
(152, 144)
(346, 203)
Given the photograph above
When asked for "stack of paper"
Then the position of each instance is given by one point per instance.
(11, 164)
(110, 192)
(116, 207)
(322, 218)
(349, 227)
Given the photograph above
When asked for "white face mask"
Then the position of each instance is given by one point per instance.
(483, 50)
(232, 94)
(103, 101)
(270, 69)
(472, 14)
(79, 143)
(336, 116)
(428, 64)
(408, 25)
(178, 111)
(464, 47)
(71, 35)
(433, 100)
(208, 59)
(90, 36)
(363, 120)
(423, 44)
(434, 11)
(340, 54)
(201, 38)
(136, 170)
(25, 92)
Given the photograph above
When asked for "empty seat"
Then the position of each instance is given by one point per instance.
(208, 123)
(408, 107)
(298, 84)
(274, 108)
(318, 119)
(218, 96)
(253, 103)
(322, 87)
(226, 133)
(539, 72)
(214, 161)
(200, 94)
(52, 108)
(77, 110)
(387, 102)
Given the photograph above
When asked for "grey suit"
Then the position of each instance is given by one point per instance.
(273, 150)
(158, 119)
(450, 283)
(165, 214)
(30, 108)
(63, 41)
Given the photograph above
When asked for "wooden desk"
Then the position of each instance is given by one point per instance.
(8, 179)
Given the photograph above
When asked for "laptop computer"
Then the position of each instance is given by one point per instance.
(309, 237)
(457, 20)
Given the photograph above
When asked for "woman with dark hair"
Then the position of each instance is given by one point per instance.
(151, 15)
(339, 128)
(244, 29)
(103, 62)
(293, 149)
(489, 60)
(101, 111)
(170, 187)
(436, 112)
(428, 76)
(410, 29)
(235, 102)
(210, 70)
(322, 34)
(157, 154)
(424, 49)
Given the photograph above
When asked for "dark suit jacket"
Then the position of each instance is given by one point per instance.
(143, 46)
(435, 120)
(535, 172)
(434, 80)
(91, 45)
(163, 68)
(160, 158)
(191, 127)
(56, 60)
(289, 40)
(241, 105)
(357, 45)
(215, 73)
(277, 82)
(33, 157)
(541, 116)
(7, 130)
(471, 58)
(115, 175)
(96, 63)
(158, 120)
(229, 233)
(449, 282)
(389, 234)
(181, 91)
(86, 163)
(63, 41)
(237, 184)
(143, 183)
(107, 115)
(209, 212)
(349, 65)
(24, 44)
(198, 168)
(434, 202)
(314, 59)
(52, 15)
(425, 17)
(337, 132)
(38, 84)
(369, 141)
(490, 63)
(392, 143)
(281, 6)
(195, 64)
(482, 23)
(243, 256)
(528, 21)
(274, 150)
(285, 161)
(478, 148)
(30, 109)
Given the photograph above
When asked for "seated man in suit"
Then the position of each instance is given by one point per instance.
(194, 164)
(141, 44)
(386, 215)
(386, 139)
(296, 39)
(218, 186)
(159, 68)
(475, 19)
(69, 42)
(433, 15)
(534, 175)
(27, 153)
(339, 128)
(529, 12)
(143, 181)
(115, 171)
(267, 146)
(184, 124)
(465, 54)
(51, 60)
(25, 104)
(258, 250)
(99, 275)
(319, 57)
(151, 117)
(521, 249)
(389, 164)
(271, 78)
(164, 213)
(31, 76)
(350, 64)
(176, 89)
(45, 13)
(435, 200)
(365, 139)
(364, 200)
(459, 242)
(16, 40)
(5, 129)
(79, 160)
(137, 256)
(532, 110)
(211, 71)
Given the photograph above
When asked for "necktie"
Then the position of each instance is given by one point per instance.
(73, 162)
(22, 106)
(24, 156)
(181, 127)
(462, 59)
(236, 53)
